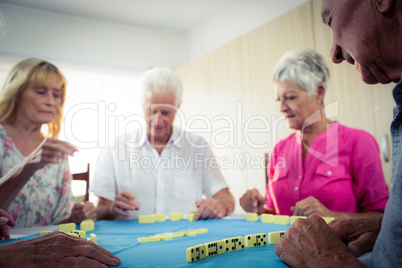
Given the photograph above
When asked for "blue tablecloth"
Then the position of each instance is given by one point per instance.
(120, 237)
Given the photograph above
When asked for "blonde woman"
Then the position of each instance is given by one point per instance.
(34, 171)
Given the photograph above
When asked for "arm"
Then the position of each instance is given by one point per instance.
(311, 205)
(56, 249)
(117, 209)
(217, 206)
(51, 151)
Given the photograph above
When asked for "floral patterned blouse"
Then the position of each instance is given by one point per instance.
(46, 199)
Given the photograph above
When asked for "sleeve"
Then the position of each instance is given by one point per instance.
(104, 180)
(370, 187)
(271, 170)
(212, 178)
(65, 196)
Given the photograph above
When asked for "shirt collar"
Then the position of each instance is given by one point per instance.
(174, 140)
(175, 137)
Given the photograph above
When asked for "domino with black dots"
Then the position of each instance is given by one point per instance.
(196, 253)
(256, 240)
(215, 248)
(234, 243)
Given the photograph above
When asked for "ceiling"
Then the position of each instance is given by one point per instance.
(170, 15)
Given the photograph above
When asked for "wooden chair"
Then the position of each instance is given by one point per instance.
(83, 177)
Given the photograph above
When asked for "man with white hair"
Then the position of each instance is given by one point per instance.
(168, 170)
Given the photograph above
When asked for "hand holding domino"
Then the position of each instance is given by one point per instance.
(124, 202)
(210, 208)
(252, 201)
(82, 212)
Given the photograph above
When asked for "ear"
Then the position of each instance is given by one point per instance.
(383, 6)
(320, 93)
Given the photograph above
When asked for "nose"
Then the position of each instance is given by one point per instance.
(158, 118)
(336, 53)
(283, 106)
(50, 100)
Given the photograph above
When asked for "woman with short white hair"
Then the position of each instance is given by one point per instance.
(323, 168)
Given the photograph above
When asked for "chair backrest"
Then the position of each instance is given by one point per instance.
(83, 177)
(266, 168)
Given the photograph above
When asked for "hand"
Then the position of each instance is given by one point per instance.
(5, 222)
(311, 243)
(359, 234)
(56, 249)
(210, 208)
(82, 212)
(124, 201)
(309, 206)
(252, 201)
(52, 151)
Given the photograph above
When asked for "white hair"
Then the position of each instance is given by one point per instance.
(163, 81)
(304, 68)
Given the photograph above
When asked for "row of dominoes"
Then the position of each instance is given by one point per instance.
(171, 235)
(175, 216)
(218, 247)
(86, 225)
(279, 219)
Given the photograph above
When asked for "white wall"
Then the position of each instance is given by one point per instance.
(32, 32)
(229, 24)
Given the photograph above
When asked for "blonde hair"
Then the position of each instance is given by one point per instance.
(26, 72)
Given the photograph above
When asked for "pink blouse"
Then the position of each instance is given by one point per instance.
(342, 170)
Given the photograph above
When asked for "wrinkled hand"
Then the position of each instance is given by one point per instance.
(252, 201)
(52, 151)
(124, 201)
(210, 208)
(359, 235)
(5, 222)
(311, 243)
(82, 212)
(56, 249)
(309, 206)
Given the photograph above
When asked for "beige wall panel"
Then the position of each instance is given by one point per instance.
(234, 82)
(213, 92)
(363, 106)
(262, 48)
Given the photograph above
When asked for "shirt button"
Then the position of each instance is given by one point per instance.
(296, 188)
(300, 176)
(329, 173)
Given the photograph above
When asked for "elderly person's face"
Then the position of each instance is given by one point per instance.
(355, 29)
(38, 104)
(159, 112)
(296, 105)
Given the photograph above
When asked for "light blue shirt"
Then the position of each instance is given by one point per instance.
(387, 250)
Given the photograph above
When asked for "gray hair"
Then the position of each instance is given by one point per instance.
(163, 81)
(304, 68)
